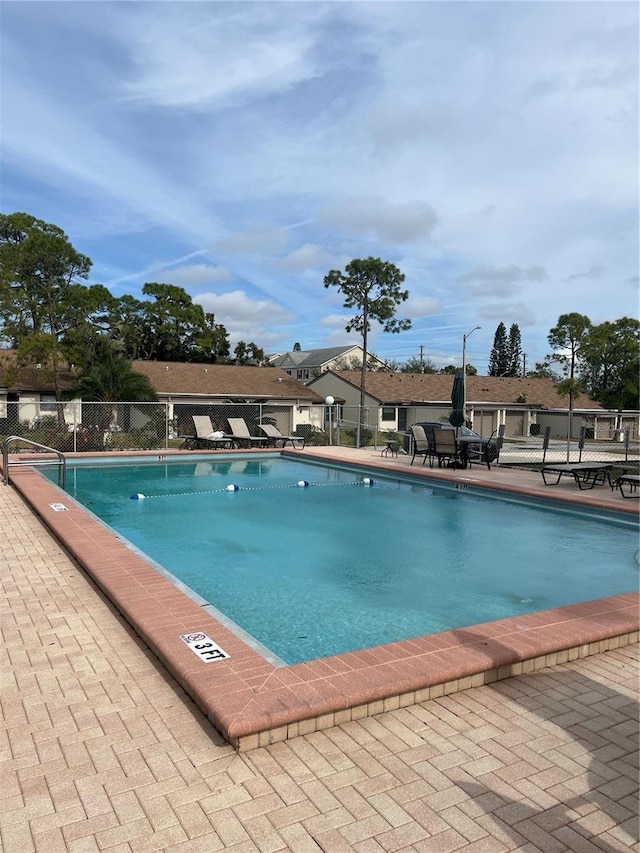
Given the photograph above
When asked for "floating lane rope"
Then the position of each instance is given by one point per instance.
(232, 487)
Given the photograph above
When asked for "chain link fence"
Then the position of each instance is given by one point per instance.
(90, 427)
(529, 438)
(525, 438)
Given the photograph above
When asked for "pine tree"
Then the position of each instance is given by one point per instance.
(515, 351)
(499, 358)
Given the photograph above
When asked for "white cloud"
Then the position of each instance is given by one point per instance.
(260, 239)
(400, 223)
(502, 281)
(247, 319)
(309, 257)
(202, 55)
(401, 124)
(198, 275)
(513, 312)
(424, 306)
(592, 272)
(335, 321)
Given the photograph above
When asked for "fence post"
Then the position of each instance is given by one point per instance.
(545, 442)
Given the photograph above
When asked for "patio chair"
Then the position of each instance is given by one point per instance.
(205, 436)
(275, 436)
(421, 445)
(445, 447)
(242, 436)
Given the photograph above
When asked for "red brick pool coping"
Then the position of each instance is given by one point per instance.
(253, 703)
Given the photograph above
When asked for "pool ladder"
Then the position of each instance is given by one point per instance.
(61, 462)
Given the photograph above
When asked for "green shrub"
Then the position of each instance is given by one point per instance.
(366, 436)
(62, 441)
(305, 430)
(134, 440)
(311, 434)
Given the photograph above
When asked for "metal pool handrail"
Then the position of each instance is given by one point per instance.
(61, 462)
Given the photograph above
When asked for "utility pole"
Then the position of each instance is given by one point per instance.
(421, 358)
(464, 363)
(524, 364)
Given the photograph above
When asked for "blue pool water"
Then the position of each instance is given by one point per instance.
(338, 565)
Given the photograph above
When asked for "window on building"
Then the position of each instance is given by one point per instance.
(388, 413)
(47, 403)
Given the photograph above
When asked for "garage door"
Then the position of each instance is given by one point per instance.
(514, 424)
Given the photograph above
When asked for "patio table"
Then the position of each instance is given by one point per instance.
(464, 441)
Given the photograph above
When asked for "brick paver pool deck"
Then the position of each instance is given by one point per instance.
(103, 750)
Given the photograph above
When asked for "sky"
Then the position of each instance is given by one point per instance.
(242, 150)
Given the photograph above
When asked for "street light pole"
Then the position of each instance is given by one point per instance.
(330, 401)
(464, 365)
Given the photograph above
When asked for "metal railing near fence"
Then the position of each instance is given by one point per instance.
(549, 447)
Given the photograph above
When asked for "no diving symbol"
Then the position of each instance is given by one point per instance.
(203, 646)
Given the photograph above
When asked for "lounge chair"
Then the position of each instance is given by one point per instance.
(631, 480)
(421, 445)
(205, 436)
(445, 447)
(275, 436)
(242, 436)
(586, 474)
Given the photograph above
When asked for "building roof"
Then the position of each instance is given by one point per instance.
(310, 358)
(170, 378)
(393, 388)
(32, 377)
(175, 379)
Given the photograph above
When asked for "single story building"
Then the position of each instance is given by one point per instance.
(231, 391)
(524, 406)
(28, 394)
(28, 398)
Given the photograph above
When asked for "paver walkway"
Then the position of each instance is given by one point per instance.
(101, 750)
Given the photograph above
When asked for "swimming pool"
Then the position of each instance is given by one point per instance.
(317, 570)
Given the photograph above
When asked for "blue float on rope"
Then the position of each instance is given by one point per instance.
(232, 487)
(368, 481)
(302, 483)
(137, 497)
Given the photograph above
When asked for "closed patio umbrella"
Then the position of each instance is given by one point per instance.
(456, 418)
